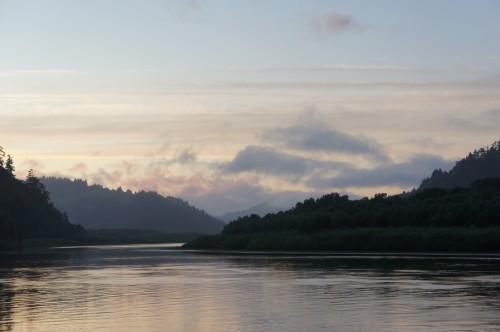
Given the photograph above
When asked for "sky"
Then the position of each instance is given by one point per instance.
(230, 104)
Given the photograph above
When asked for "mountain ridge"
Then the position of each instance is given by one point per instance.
(477, 165)
(94, 206)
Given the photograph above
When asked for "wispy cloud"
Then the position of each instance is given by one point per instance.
(79, 168)
(186, 157)
(389, 84)
(327, 67)
(41, 73)
(332, 23)
(212, 191)
(31, 164)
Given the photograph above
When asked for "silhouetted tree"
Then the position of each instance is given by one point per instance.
(9, 165)
(32, 181)
(26, 213)
(2, 155)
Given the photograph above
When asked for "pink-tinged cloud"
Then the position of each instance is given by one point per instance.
(32, 164)
(332, 23)
(79, 168)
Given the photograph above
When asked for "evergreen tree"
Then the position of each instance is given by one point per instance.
(2, 155)
(9, 165)
(34, 182)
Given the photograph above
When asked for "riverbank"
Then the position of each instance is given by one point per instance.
(417, 239)
(112, 237)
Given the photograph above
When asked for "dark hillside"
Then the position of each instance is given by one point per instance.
(26, 212)
(459, 219)
(478, 206)
(480, 164)
(97, 207)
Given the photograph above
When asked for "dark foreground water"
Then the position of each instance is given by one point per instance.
(150, 288)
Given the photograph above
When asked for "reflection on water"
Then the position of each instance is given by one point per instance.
(149, 288)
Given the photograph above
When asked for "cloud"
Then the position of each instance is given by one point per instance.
(228, 195)
(206, 189)
(404, 174)
(268, 161)
(494, 113)
(491, 116)
(187, 9)
(484, 121)
(79, 170)
(328, 67)
(318, 137)
(250, 177)
(193, 4)
(41, 73)
(104, 176)
(332, 23)
(425, 142)
(186, 157)
(32, 164)
(222, 195)
(399, 85)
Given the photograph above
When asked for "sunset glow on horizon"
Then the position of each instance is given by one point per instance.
(232, 104)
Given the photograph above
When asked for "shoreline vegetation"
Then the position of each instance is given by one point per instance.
(401, 239)
(435, 219)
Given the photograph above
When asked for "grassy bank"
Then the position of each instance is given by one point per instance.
(446, 239)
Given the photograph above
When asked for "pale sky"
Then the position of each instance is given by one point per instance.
(229, 104)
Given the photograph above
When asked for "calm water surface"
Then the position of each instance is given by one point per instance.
(153, 288)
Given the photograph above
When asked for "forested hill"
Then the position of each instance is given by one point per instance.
(97, 207)
(464, 219)
(26, 211)
(478, 206)
(480, 164)
(457, 210)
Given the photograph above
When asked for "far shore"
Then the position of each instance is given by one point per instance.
(398, 239)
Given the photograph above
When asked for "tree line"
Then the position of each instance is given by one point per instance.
(477, 206)
(26, 210)
(455, 210)
(479, 164)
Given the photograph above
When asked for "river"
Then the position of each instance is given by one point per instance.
(158, 288)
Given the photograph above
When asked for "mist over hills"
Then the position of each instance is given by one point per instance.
(94, 206)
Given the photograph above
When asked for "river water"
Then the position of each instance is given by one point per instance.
(157, 288)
